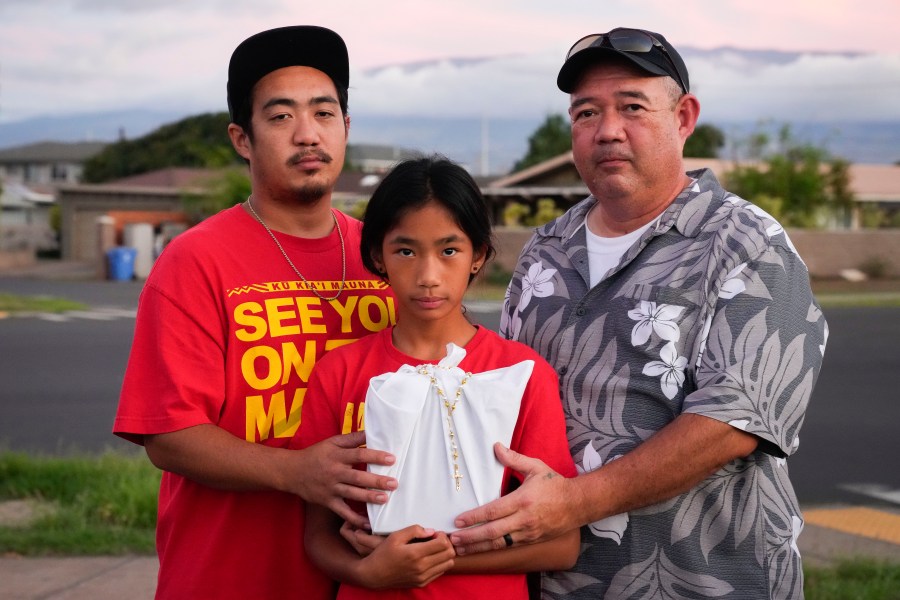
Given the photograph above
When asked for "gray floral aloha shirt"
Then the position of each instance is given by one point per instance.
(710, 312)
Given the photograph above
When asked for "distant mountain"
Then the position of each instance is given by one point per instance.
(867, 142)
(481, 111)
(421, 65)
(87, 127)
(763, 57)
(507, 139)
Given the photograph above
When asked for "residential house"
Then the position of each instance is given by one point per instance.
(20, 205)
(557, 178)
(24, 223)
(828, 253)
(29, 176)
(47, 163)
(157, 198)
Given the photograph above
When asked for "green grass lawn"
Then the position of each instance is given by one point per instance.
(12, 303)
(106, 505)
(85, 506)
(853, 580)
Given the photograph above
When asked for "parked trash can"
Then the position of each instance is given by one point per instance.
(121, 263)
(140, 237)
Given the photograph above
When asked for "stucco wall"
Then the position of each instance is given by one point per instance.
(826, 253)
(83, 205)
(12, 259)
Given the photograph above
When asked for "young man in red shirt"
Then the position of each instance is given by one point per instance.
(232, 320)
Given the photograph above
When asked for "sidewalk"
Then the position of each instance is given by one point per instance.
(78, 578)
(134, 577)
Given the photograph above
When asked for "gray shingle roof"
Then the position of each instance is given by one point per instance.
(49, 152)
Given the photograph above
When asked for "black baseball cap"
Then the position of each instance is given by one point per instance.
(647, 50)
(298, 45)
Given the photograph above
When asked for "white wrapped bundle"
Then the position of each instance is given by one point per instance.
(406, 414)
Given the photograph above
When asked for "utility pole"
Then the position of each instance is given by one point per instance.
(485, 145)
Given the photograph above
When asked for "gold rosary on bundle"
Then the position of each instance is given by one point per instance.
(454, 449)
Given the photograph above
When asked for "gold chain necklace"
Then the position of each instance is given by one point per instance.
(290, 262)
(454, 449)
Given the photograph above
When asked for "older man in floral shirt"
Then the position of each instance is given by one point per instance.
(682, 325)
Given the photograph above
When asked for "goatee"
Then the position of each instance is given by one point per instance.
(311, 194)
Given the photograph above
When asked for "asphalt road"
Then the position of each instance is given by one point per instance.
(61, 379)
(851, 436)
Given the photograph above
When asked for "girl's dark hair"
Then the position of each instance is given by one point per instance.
(411, 185)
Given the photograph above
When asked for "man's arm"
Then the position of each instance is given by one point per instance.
(321, 474)
(672, 461)
(556, 554)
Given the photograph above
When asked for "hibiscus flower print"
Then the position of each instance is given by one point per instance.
(538, 282)
(733, 285)
(670, 370)
(613, 527)
(654, 318)
(796, 529)
(513, 325)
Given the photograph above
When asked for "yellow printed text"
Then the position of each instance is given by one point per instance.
(293, 315)
(263, 367)
(347, 425)
(262, 424)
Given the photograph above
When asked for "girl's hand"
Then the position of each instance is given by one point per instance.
(362, 540)
(411, 557)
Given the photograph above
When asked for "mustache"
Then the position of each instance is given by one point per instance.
(603, 154)
(317, 153)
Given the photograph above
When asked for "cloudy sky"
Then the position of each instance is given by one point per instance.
(61, 57)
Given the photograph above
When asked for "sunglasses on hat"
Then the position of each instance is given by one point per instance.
(633, 41)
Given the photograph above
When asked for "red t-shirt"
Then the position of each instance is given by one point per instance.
(226, 334)
(337, 391)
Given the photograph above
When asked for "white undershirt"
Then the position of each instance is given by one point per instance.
(604, 253)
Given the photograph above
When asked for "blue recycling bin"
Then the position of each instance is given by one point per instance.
(121, 263)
